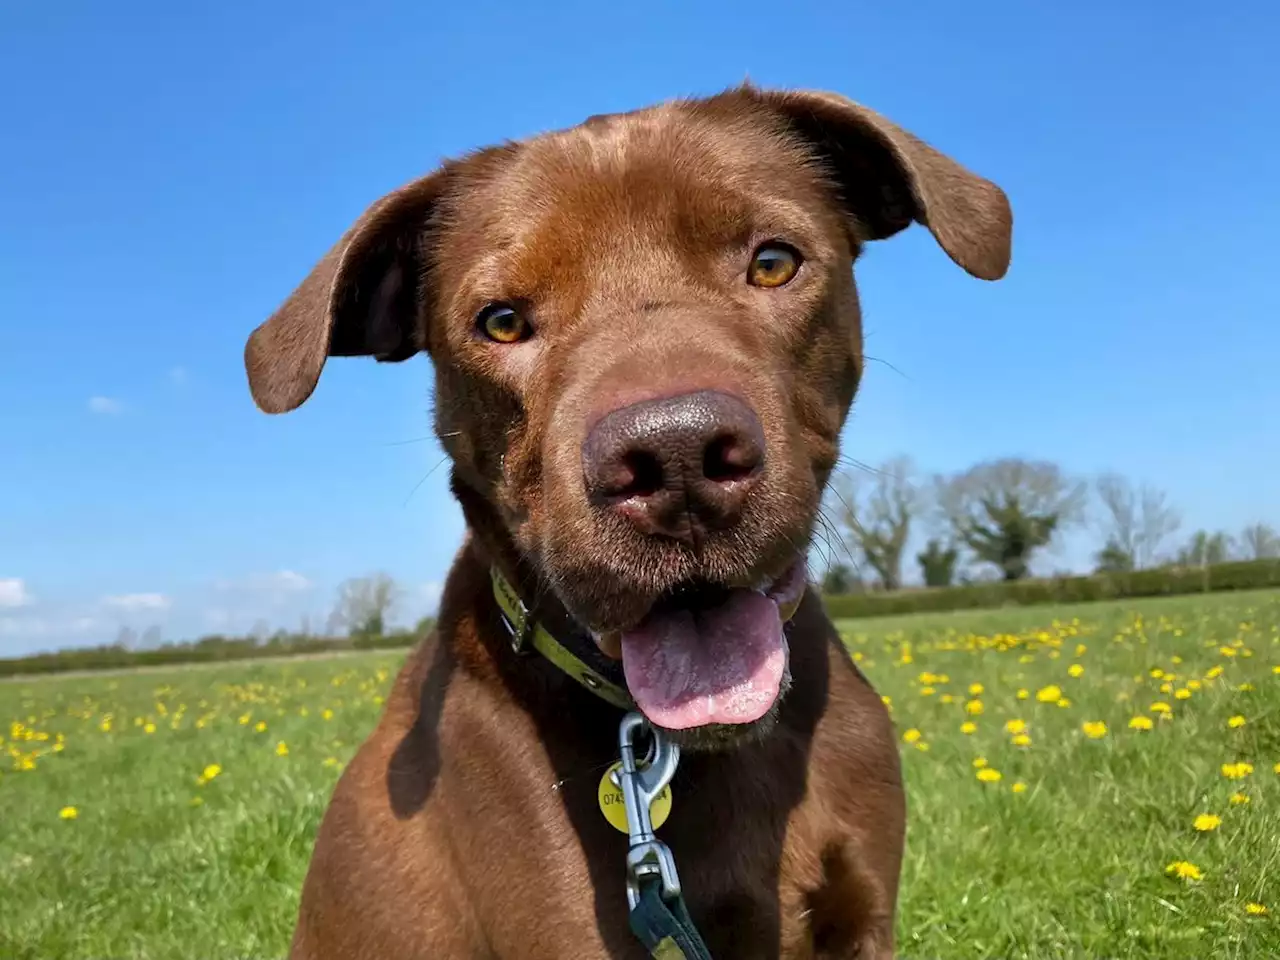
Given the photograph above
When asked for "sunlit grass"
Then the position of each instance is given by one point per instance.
(1098, 781)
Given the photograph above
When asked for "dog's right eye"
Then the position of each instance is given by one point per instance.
(502, 323)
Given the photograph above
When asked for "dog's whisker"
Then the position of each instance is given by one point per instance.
(886, 363)
(424, 479)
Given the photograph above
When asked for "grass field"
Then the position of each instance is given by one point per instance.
(1099, 781)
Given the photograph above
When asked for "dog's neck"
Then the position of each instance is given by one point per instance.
(491, 546)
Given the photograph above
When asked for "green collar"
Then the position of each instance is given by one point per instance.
(527, 632)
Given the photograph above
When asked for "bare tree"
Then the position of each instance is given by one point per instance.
(365, 603)
(1136, 523)
(1260, 542)
(1204, 549)
(875, 513)
(1005, 510)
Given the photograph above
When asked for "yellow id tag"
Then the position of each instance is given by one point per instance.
(615, 811)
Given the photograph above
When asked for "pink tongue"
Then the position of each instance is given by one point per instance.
(722, 665)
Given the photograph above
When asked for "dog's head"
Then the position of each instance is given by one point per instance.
(646, 340)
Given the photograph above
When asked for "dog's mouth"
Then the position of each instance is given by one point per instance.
(707, 655)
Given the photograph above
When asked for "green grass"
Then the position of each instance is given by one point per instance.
(1074, 866)
(157, 865)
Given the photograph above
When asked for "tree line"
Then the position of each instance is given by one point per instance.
(359, 620)
(993, 519)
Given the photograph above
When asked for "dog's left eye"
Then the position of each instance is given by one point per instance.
(502, 323)
(773, 265)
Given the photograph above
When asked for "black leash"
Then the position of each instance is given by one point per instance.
(659, 917)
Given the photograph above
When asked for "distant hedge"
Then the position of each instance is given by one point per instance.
(1157, 582)
(215, 649)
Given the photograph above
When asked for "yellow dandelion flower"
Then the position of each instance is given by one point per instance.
(1276, 768)
(1182, 693)
(1227, 651)
(1237, 771)
(927, 691)
(105, 725)
(1161, 707)
(1183, 870)
(260, 726)
(1255, 910)
(1023, 694)
(1140, 723)
(1276, 669)
(331, 762)
(1207, 821)
(1245, 687)
(244, 719)
(68, 813)
(973, 708)
(1156, 673)
(1177, 660)
(1194, 685)
(282, 749)
(1166, 688)
(326, 714)
(1021, 740)
(989, 775)
(912, 736)
(922, 747)
(1064, 702)
(946, 698)
(1239, 799)
(1094, 729)
(1015, 726)
(1236, 722)
(1213, 673)
(1080, 649)
(1075, 670)
(976, 689)
(196, 801)
(979, 762)
(968, 727)
(1049, 694)
(1019, 787)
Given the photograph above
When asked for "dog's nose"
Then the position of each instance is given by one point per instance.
(678, 467)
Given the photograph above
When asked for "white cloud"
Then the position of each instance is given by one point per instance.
(105, 406)
(137, 601)
(14, 593)
(23, 627)
(276, 586)
(286, 580)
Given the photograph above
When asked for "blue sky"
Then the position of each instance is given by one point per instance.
(170, 173)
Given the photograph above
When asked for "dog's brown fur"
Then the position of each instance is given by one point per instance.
(467, 825)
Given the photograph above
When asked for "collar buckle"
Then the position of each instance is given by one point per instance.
(518, 622)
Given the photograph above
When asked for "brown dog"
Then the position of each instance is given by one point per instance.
(646, 340)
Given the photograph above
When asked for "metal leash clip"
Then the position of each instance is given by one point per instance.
(641, 782)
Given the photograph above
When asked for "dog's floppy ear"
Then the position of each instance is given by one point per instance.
(889, 178)
(361, 299)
